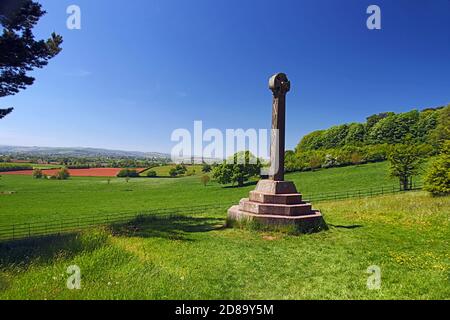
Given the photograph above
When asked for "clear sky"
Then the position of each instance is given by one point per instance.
(139, 69)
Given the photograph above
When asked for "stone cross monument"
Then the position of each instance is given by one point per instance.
(276, 202)
(280, 86)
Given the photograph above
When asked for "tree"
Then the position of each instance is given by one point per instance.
(128, 173)
(181, 169)
(437, 178)
(206, 168)
(20, 53)
(405, 162)
(205, 180)
(442, 131)
(37, 173)
(245, 166)
(5, 112)
(62, 174)
(173, 172)
(356, 134)
(151, 174)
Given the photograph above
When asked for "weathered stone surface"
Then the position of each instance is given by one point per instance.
(275, 209)
(307, 223)
(276, 187)
(256, 196)
(280, 86)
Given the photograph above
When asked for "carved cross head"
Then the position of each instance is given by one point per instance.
(279, 84)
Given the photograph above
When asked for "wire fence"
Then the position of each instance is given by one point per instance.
(29, 230)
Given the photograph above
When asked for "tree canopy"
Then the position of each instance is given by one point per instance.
(20, 52)
(383, 128)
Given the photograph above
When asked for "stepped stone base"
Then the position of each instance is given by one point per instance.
(277, 203)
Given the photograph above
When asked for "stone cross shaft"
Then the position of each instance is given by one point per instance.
(280, 86)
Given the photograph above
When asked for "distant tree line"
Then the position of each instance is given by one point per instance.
(371, 141)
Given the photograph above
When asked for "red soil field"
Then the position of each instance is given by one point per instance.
(93, 172)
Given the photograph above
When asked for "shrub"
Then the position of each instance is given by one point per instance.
(62, 174)
(205, 180)
(173, 172)
(151, 174)
(206, 168)
(437, 178)
(181, 169)
(128, 173)
(37, 173)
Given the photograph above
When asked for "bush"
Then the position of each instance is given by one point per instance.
(173, 172)
(206, 168)
(437, 178)
(151, 174)
(128, 173)
(205, 180)
(62, 174)
(181, 169)
(37, 173)
(8, 167)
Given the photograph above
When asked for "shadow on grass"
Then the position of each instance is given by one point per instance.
(246, 184)
(20, 254)
(356, 226)
(167, 227)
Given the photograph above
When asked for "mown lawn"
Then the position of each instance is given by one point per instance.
(194, 257)
(42, 200)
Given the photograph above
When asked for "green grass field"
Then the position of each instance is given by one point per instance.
(43, 200)
(195, 257)
(33, 165)
(163, 171)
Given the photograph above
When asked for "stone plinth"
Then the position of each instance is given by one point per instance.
(277, 203)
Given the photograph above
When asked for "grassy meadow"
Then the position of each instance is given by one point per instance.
(195, 257)
(24, 199)
(163, 171)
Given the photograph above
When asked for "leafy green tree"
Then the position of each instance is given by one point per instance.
(173, 172)
(291, 162)
(151, 174)
(20, 53)
(405, 163)
(181, 169)
(312, 141)
(437, 178)
(441, 133)
(356, 134)
(245, 166)
(128, 173)
(335, 136)
(374, 119)
(383, 131)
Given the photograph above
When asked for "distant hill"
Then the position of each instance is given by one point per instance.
(79, 152)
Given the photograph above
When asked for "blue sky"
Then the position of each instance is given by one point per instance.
(136, 72)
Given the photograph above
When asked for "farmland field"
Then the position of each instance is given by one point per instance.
(92, 172)
(194, 257)
(25, 199)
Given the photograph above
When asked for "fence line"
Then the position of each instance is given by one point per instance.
(38, 229)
